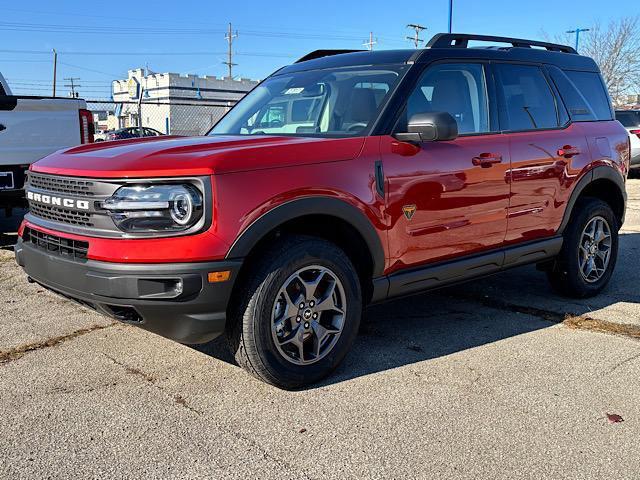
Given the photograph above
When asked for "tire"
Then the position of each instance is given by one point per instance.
(566, 276)
(265, 330)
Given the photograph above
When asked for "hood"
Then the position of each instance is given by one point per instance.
(186, 156)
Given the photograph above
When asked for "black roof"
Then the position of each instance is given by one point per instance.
(445, 46)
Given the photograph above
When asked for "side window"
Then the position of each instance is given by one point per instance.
(592, 88)
(274, 116)
(2, 92)
(526, 99)
(306, 110)
(459, 89)
(579, 108)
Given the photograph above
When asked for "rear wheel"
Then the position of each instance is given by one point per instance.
(298, 315)
(589, 252)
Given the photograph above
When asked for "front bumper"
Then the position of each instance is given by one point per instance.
(145, 295)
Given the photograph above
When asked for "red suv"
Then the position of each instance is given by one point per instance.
(342, 180)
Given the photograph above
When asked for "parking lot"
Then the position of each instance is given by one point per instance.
(498, 378)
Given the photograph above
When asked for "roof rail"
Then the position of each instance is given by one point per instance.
(461, 40)
(325, 53)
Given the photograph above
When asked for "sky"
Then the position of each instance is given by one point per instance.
(99, 41)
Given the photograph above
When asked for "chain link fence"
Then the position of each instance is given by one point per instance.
(183, 118)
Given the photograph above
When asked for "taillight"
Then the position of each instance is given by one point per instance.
(635, 132)
(86, 126)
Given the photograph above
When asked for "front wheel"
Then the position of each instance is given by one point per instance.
(298, 315)
(589, 252)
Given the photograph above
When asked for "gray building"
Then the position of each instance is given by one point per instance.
(172, 103)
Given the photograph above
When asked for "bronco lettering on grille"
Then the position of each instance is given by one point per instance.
(58, 201)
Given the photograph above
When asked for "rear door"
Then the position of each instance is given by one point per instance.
(547, 150)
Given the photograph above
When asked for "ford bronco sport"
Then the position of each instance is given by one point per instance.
(342, 180)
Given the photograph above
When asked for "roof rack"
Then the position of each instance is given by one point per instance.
(461, 40)
(325, 53)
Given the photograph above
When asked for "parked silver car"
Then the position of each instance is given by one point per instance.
(631, 121)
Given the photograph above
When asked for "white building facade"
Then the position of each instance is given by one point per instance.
(174, 104)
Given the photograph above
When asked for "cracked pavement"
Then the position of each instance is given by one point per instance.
(498, 378)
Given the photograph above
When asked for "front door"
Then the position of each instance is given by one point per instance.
(447, 199)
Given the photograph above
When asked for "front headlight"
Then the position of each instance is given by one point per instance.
(155, 208)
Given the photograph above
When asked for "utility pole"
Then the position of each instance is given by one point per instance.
(577, 31)
(72, 85)
(371, 42)
(230, 36)
(450, 16)
(416, 38)
(55, 67)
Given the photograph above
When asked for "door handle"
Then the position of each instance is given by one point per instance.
(568, 151)
(486, 160)
(2, 127)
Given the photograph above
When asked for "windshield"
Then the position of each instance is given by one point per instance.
(341, 102)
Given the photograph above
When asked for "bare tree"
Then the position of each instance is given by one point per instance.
(616, 49)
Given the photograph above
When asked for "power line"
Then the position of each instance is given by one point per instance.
(416, 37)
(111, 75)
(72, 85)
(166, 54)
(83, 29)
(230, 36)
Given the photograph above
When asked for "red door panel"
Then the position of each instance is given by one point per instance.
(544, 166)
(460, 192)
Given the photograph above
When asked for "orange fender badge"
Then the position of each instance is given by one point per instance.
(409, 211)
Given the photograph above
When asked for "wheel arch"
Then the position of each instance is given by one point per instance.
(601, 182)
(329, 218)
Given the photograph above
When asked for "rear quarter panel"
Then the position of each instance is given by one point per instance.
(608, 144)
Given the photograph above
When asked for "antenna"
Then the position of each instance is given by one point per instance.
(416, 37)
(230, 36)
(371, 42)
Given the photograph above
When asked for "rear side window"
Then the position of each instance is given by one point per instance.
(628, 119)
(526, 99)
(592, 88)
(579, 108)
(2, 92)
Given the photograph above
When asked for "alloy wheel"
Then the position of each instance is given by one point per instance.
(594, 253)
(308, 315)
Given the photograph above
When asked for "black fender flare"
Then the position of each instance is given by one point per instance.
(597, 173)
(334, 207)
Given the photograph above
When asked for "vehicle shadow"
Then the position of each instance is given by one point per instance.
(432, 325)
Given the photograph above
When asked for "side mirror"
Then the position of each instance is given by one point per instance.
(430, 127)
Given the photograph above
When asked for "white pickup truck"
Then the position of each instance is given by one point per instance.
(31, 128)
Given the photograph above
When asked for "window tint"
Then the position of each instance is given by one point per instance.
(527, 101)
(629, 119)
(579, 108)
(2, 92)
(592, 89)
(459, 89)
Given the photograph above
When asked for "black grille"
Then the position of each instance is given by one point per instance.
(70, 186)
(82, 219)
(74, 249)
